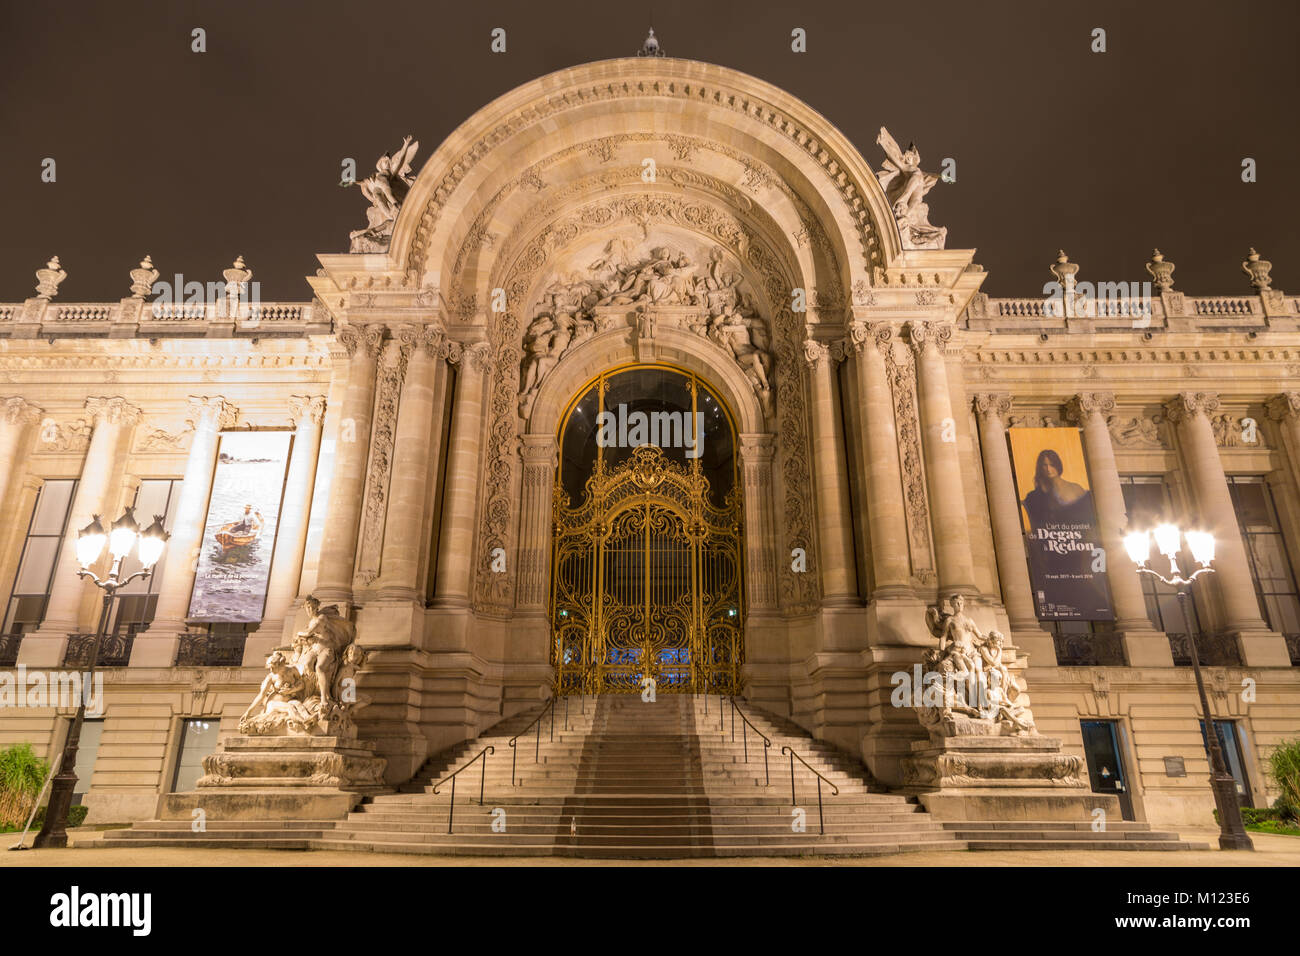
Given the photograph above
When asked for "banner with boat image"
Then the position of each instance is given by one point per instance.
(1067, 564)
(234, 564)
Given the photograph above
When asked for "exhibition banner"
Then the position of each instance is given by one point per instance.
(1067, 564)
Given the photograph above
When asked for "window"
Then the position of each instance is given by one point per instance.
(1230, 744)
(1270, 568)
(138, 600)
(198, 739)
(40, 555)
(87, 751)
(1146, 499)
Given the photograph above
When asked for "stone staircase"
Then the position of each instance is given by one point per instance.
(629, 779)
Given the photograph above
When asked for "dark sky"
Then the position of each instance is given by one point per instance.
(195, 158)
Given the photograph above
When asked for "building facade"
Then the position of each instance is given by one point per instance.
(450, 431)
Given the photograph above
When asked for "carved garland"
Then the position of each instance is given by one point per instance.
(902, 379)
(495, 590)
(536, 113)
(391, 376)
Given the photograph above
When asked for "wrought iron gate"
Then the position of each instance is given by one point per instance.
(646, 580)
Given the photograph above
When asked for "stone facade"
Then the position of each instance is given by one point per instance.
(872, 384)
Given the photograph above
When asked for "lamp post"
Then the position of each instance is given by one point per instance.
(1232, 834)
(124, 535)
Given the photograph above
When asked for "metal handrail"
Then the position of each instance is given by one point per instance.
(745, 722)
(451, 808)
(821, 824)
(537, 749)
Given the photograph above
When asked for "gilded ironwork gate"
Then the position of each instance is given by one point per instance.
(647, 579)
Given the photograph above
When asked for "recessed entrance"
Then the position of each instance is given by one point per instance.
(647, 558)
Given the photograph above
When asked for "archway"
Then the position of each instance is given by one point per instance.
(647, 561)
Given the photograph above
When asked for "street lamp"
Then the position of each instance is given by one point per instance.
(123, 535)
(1232, 834)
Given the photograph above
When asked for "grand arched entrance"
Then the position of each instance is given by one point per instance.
(647, 558)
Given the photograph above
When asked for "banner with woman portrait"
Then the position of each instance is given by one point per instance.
(1067, 564)
(234, 565)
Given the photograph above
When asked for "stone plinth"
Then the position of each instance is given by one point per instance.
(282, 777)
(990, 777)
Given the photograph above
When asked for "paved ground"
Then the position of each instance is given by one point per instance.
(1270, 850)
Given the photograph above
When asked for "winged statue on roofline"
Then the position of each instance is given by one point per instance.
(385, 190)
(906, 186)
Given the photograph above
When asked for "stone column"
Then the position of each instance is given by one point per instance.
(830, 473)
(1144, 646)
(156, 646)
(757, 453)
(338, 556)
(1259, 647)
(111, 417)
(886, 513)
(404, 530)
(307, 412)
(540, 456)
(943, 466)
(15, 415)
(455, 575)
(1008, 535)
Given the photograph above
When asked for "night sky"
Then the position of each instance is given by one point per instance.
(197, 157)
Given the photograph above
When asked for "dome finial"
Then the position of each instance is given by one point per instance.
(651, 45)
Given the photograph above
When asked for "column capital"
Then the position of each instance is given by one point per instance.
(113, 411)
(1284, 407)
(433, 339)
(363, 340)
(18, 411)
(926, 334)
(479, 355)
(214, 409)
(757, 447)
(304, 408)
(993, 405)
(1083, 406)
(1188, 405)
(539, 450)
(406, 335)
(815, 354)
(862, 333)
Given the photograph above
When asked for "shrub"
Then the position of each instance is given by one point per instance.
(21, 775)
(76, 816)
(1284, 767)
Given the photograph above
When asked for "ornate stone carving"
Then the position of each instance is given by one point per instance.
(164, 440)
(1161, 271)
(814, 352)
(1031, 421)
(1230, 431)
(17, 411)
(303, 407)
(49, 278)
(64, 436)
(310, 691)
(1258, 270)
(1137, 432)
(143, 278)
(392, 373)
(1188, 405)
(113, 411)
(906, 186)
(923, 335)
(385, 190)
(1086, 404)
(567, 314)
(900, 369)
(215, 408)
(1285, 406)
(993, 405)
(967, 688)
(365, 339)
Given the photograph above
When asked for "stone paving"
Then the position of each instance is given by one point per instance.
(1270, 850)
